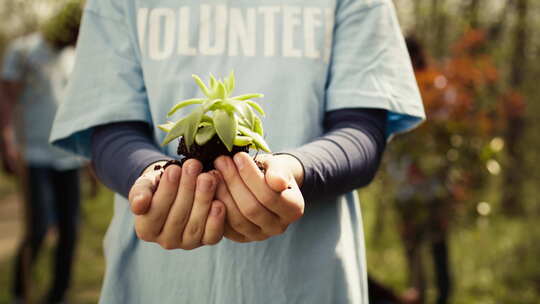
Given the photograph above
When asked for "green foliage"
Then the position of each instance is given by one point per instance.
(233, 119)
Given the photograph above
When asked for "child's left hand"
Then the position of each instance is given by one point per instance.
(259, 204)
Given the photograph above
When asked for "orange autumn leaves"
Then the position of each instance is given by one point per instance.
(468, 107)
(464, 91)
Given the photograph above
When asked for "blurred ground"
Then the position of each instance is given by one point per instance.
(10, 227)
(89, 266)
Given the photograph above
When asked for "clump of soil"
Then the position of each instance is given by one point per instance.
(208, 153)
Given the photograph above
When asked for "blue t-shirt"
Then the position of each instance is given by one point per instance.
(43, 73)
(134, 61)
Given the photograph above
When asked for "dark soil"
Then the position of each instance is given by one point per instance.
(208, 153)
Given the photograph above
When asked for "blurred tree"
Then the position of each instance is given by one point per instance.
(439, 20)
(472, 12)
(496, 29)
(515, 107)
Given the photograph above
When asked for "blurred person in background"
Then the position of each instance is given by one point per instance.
(421, 202)
(34, 74)
(423, 196)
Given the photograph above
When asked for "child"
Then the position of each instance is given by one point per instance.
(337, 82)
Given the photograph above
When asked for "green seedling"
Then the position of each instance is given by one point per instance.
(235, 120)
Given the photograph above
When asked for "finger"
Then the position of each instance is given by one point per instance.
(214, 229)
(142, 191)
(232, 235)
(256, 182)
(234, 218)
(294, 199)
(140, 195)
(150, 224)
(291, 196)
(275, 177)
(245, 200)
(173, 229)
(204, 194)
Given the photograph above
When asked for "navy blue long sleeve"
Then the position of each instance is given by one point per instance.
(345, 158)
(121, 152)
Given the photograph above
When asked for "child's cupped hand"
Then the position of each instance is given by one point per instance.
(182, 208)
(177, 209)
(260, 204)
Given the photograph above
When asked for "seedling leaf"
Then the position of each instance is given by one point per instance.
(206, 118)
(257, 139)
(166, 127)
(226, 126)
(246, 113)
(256, 106)
(204, 134)
(185, 103)
(242, 141)
(176, 131)
(214, 105)
(186, 127)
(192, 125)
(213, 82)
(257, 126)
(231, 82)
(248, 96)
(221, 91)
(201, 85)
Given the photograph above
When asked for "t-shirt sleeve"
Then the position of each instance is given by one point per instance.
(106, 85)
(370, 65)
(12, 63)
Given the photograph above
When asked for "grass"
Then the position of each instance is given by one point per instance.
(493, 258)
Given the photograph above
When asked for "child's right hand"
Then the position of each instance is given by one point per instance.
(178, 209)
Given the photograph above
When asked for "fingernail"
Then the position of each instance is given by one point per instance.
(138, 197)
(222, 163)
(206, 184)
(174, 174)
(193, 168)
(216, 211)
(216, 174)
(239, 161)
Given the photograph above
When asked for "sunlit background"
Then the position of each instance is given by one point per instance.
(464, 184)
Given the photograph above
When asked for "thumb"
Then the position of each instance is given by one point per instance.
(276, 175)
(141, 202)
